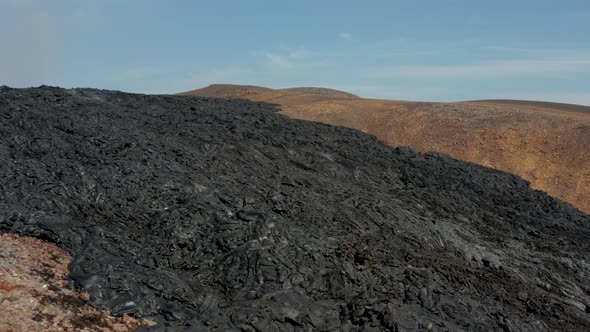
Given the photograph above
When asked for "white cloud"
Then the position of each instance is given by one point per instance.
(489, 69)
(345, 35)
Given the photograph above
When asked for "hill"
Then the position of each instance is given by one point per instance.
(546, 143)
(218, 214)
(257, 92)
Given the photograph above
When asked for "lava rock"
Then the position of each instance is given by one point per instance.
(212, 214)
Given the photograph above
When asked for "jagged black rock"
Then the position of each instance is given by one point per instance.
(211, 214)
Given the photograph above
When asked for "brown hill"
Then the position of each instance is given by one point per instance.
(324, 92)
(545, 143)
(267, 94)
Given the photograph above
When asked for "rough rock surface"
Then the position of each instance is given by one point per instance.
(217, 214)
(547, 144)
(34, 292)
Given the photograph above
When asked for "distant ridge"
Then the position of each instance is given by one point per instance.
(536, 104)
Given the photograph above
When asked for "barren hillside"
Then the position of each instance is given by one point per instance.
(259, 93)
(545, 143)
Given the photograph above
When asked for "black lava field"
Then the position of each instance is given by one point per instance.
(223, 215)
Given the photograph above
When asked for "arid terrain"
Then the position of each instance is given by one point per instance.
(35, 293)
(546, 143)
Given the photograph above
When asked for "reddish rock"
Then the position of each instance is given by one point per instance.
(35, 293)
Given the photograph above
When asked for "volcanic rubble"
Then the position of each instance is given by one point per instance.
(213, 214)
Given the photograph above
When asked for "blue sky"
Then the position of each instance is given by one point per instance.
(412, 50)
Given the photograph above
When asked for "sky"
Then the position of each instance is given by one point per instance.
(408, 50)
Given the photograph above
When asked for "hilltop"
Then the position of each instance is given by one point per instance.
(266, 94)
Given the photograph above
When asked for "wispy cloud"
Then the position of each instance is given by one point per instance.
(490, 69)
(582, 14)
(345, 35)
(539, 51)
(287, 60)
(407, 52)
